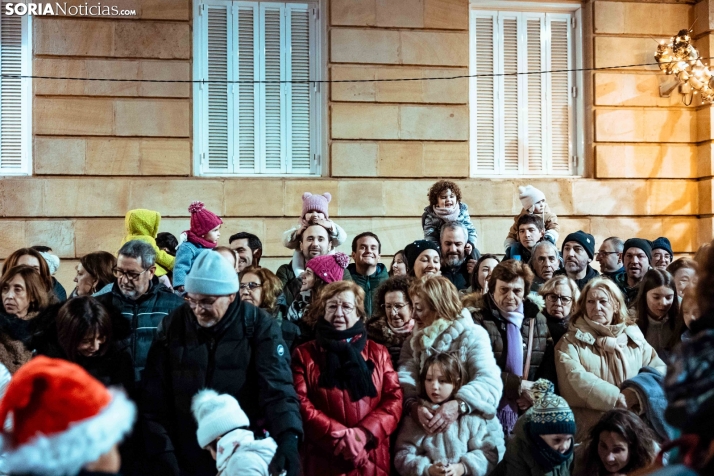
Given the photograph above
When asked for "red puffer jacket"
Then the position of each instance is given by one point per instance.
(326, 410)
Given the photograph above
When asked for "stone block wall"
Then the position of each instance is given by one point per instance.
(103, 148)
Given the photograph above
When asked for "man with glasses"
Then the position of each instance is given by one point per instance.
(137, 295)
(610, 257)
(217, 341)
(637, 255)
(578, 252)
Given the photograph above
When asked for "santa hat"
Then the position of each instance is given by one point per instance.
(216, 415)
(529, 196)
(202, 220)
(61, 418)
(329, 268)
(315, 203)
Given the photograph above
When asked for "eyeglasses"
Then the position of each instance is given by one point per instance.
(395, 307)
(347, 308)
(553, 298)
(205, 305)
(605, 253)
(250, 286)
(120, 273)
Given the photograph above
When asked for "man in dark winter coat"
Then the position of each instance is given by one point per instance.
(366, 271)
(530, 231)
(454, 265)
(545, 263)
(637, 255)
(140, 299)
(610, 257)
(578, 252)
(217, 341)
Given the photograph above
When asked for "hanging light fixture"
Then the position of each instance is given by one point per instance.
(680, 59)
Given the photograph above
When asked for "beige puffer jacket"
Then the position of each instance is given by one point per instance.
(589, 377)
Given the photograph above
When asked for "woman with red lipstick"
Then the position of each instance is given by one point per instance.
(657, 312)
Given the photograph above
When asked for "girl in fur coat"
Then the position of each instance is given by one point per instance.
(471, 445)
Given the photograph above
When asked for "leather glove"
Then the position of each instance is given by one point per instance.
(287, 457)
(350, 444)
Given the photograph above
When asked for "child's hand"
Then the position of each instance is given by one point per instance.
(468, 249)
(327, 224)
(436, 469)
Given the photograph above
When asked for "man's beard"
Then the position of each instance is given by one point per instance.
(453, 261)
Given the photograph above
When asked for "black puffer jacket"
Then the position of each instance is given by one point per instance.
(485, 313)
(144, 316)
(244, 355)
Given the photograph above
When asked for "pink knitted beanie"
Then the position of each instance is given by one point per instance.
(202, 220)
(316, 203)
(329, 268)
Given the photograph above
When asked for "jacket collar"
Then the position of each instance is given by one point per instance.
(585, 333)
(381, 270)
(153, 289)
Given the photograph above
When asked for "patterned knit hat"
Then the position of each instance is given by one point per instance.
(202, 221)
(329, 268)
(529, 196)
(550, 414)
(316, 203)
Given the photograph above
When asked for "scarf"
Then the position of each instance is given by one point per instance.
(345, 368)
(546, 456)
(557, 327)
(299, 306)
(612, 340)
(405, 329)
(447, 214)
(198, 241)
(508, 409)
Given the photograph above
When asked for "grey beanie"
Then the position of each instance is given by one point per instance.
(212, 275)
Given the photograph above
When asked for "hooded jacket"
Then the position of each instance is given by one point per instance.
(244, 355)
(482, 383)
(239, 454)
(369, 284)
(143, 225)
(590, 378)
(486, 314)
(431, 223)
(471, 440)
(143, 315)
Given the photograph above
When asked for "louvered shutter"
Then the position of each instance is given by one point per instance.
(484, 94)
(533, 85)
(299, 97)
(248, 92)
(510, 120)
(560, 99)
(273, 70)
(218, 95)
(14, 92)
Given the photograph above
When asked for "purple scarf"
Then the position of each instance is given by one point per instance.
(508, 409)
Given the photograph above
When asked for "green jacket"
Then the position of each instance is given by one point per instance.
(143, 225)
(369, 284)
(519, 459)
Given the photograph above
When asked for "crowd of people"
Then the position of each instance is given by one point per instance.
(177, 356)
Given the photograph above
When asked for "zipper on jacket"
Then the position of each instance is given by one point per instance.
(211, 362)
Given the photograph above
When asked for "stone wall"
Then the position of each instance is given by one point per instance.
(103, 148)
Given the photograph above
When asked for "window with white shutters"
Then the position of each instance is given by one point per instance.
(257, 100)
(523, 94)
(15, 94)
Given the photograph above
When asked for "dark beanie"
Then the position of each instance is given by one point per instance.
(413, 250)
(641, 243)
(585, 239)
(662, 243)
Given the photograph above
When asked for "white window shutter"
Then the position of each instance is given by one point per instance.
(217, 92)
(560, 98)
(484, 94)
(510, 120)
(14, 105)
(248, 93)
(535, 92)
(298, 94)
(273, 70)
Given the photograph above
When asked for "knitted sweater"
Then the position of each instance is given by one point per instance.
(475, 442)
(431, 223)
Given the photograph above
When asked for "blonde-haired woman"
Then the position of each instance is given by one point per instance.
(602, 348)
(444, 326)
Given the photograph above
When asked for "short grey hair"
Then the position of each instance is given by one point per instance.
(541, 244)
(551, 284)
(616, 242)
(454, 225)
(139, 250)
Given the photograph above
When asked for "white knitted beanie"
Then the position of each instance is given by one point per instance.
(216, 415)
(529, 196)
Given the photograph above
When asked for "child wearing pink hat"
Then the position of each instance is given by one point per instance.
(203, 234)
(314, 212)
(319, 272)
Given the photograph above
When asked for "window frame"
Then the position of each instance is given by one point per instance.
(25, 103)
(578, 117)
(319, 123)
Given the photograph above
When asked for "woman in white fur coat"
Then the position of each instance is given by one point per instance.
(444, 326)
(471, 445)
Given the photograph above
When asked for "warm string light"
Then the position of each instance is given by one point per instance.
(681, 59)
